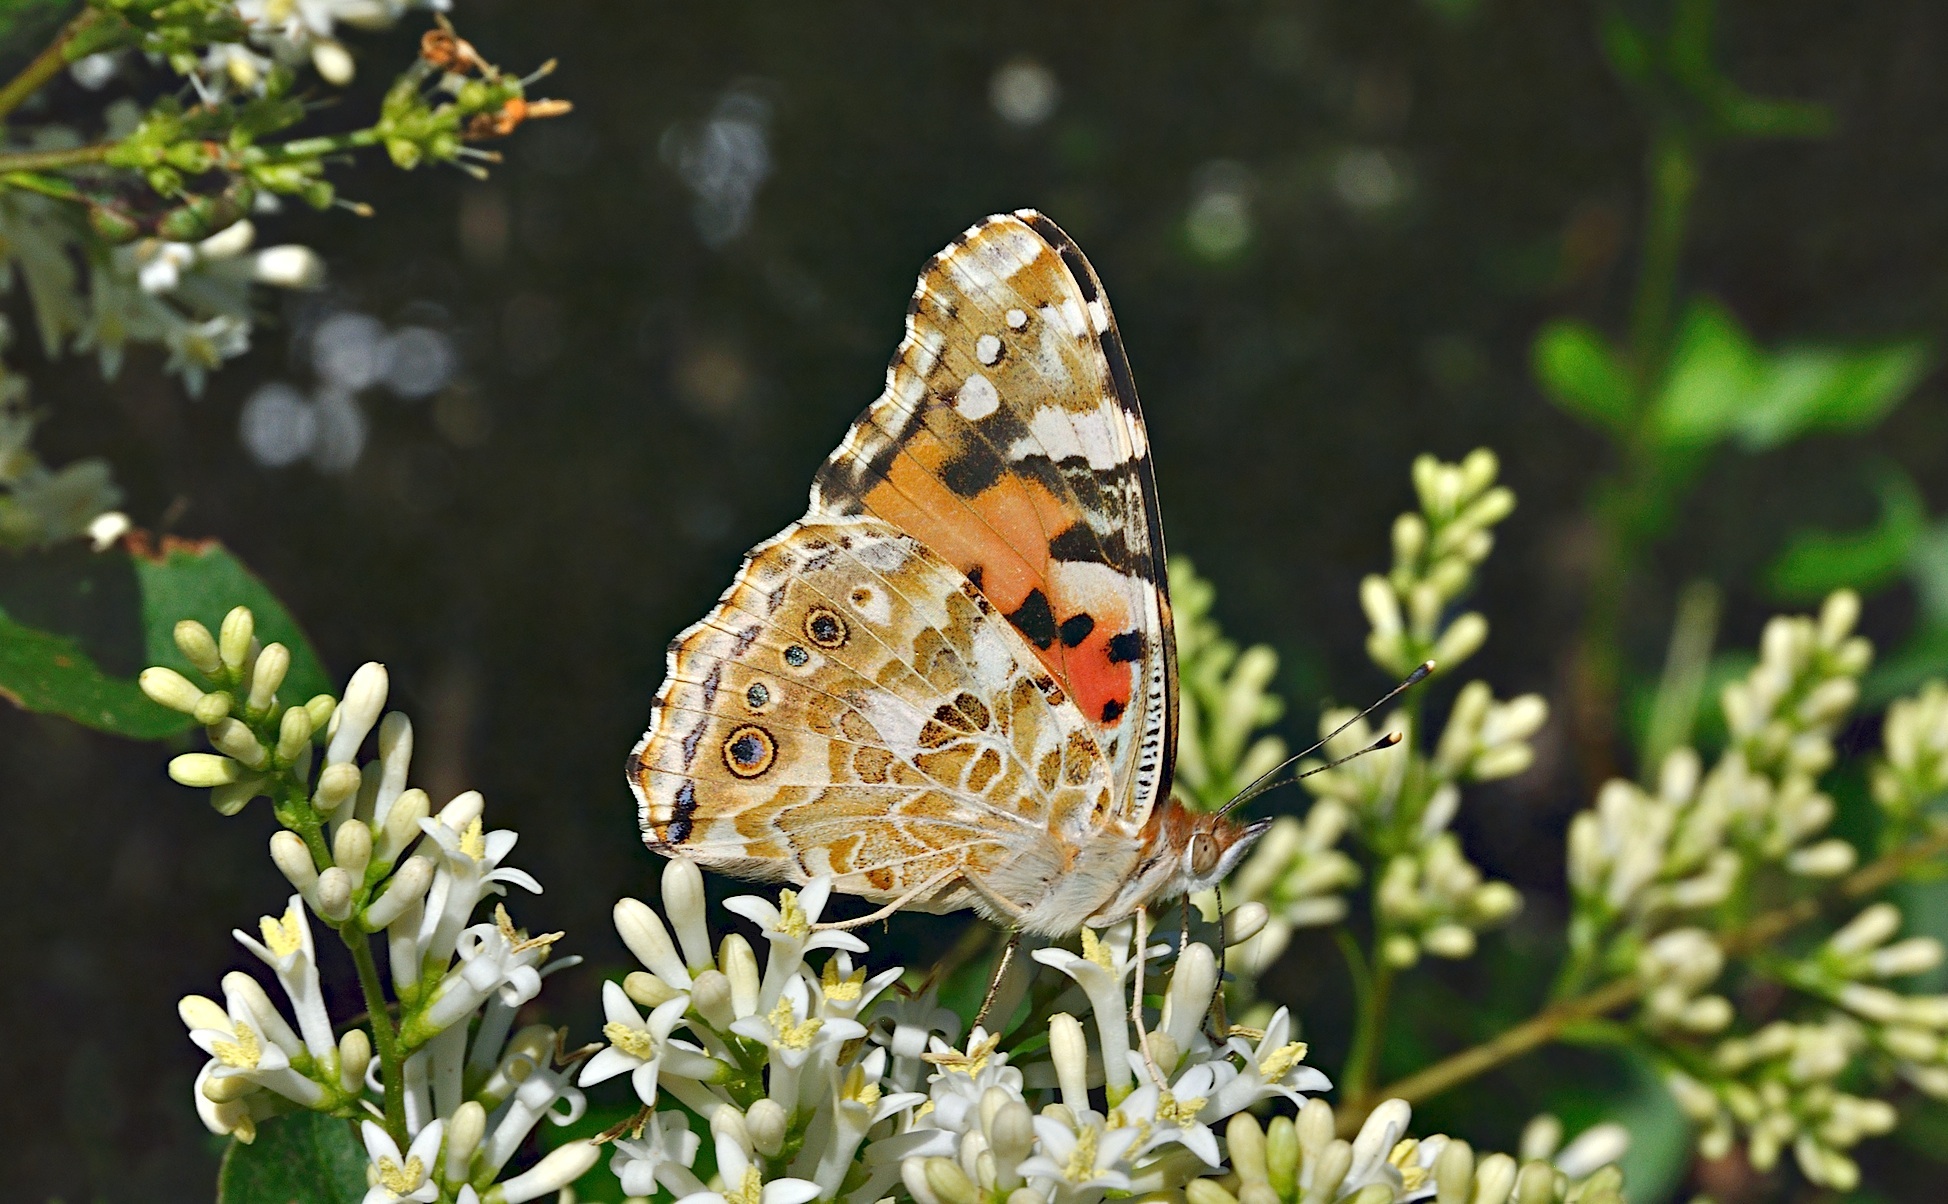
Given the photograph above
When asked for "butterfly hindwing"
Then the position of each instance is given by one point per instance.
(853, 706)
(1010, 442)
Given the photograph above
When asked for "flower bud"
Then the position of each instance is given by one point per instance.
(267, 675)
(1593, 1150)
(646, 990)
(1916, 955)
(461, 810)
(642, 930)
(365, 697)
(234, 638)
(767, 1122)
(198, 647)
(1837, 617)
(335, 887)
(710, 994)
(1207, 1191)
(205, 769)
(1068, 1048)
(213, 707)
(1261, 1193)
(200, 1011)
(1335, 1161)
(1866, 931)
(407, 886)
(1494, 1180)
(1373, 1193)
(288, 265)
(293, 860)
(1462, 639)
(333, 61)
(321, 708)
(224, 1090)
(402, 823)
(354, 1055)
(740, 966)
(1536, 1184)
(1454, 1172)
(337, 784)
(557, 1169)
(1827, 859)
(1282, 1156)
(1452, 941)
(1400, 950)
(1244, 922)
(1381, 606)
(352, 847)
(230, 798)
(233, 738)
(683, 901)
(913, 1173)
(1247, 1144)
(171, 689)
(1188, 998)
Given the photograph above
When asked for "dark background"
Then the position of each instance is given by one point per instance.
(636, 407)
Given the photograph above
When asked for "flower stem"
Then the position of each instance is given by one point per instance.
(385, 1041)
(1547, 1025)
(52, 160)
(45, 65)
(1373, 986)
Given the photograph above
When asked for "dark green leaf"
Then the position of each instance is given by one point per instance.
(303, 1158)
(203, 581)
(1815, 563)
(1626, 48)
(1581, 373)
(49, 673)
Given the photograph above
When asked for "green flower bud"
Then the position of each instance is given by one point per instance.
(320, 709)
(1282, 1156)
(196, 643)
(205, 770)
(267, 675)
(293, 735)
(214, 707)
(239, 629)
(233, 738)
(230, 798)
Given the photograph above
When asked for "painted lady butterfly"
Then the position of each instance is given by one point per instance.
(953, 682)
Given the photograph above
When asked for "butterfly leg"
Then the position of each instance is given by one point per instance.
(1000, 972)
(1216, 1018)
(890, 908)
(1136, 1006)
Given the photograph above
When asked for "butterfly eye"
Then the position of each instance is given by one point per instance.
(1203, 855)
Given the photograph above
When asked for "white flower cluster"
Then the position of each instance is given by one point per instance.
(1654, 874)
(1430, 899)
(447, 1089)
(1224, 699)
(819, 1084)
(291, 32)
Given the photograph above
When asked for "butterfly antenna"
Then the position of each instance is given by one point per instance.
(1264, 781)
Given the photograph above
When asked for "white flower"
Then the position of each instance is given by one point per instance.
(798, 1040)
(1275, 1066)
(395, 1176)
(792, 928)
(494, 958)
(470, 869)
(1085, 1157)
(744, 1182)
(243, 1044)
(661, 1155)
(287, 950)
(635, 1046)
(1101, 970)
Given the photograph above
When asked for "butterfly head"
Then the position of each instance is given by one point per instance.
(1212, 847)
(1186, 852)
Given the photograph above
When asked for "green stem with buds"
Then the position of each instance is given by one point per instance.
(45, 65)
(1549, 1025)
(385, 1039)
(52, 160)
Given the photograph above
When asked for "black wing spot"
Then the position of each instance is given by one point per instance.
(679, 826)
(825, 627)
(974, 575)
(1035, 620)
(796, 656)
(1112, 710)
(972, 472)
(749, 751)
(1076, 628)
(1127, 646)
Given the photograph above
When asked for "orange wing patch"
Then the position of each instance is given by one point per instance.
(1009, 440)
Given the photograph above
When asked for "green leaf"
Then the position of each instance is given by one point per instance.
(203, 581)
(303, 1158)
(1721, 385)
(1815, 563)
(49, 673)
(1804, 390)
(1714, 372)
(1582, 374)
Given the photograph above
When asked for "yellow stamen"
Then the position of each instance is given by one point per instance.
(858, 1090)
(283, 935)
(512, 935)
(242, 1054)
(791, 1033)
(970, 1063)
(751, 1191)
(473, 841)
(1280, 1061)
(630, 1040)
(842, 990)
(1412, 1176)
(1095, 950)
(1082, 1162)
(1173, 1111)
(401, 1180)
(791, 917)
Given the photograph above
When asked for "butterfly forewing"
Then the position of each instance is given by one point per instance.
(1009, 440)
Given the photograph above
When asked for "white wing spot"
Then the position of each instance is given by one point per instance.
(987, 349)
(1017, 319)
(1098, 316)
(977, 398)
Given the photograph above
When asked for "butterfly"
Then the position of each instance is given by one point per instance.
(953, 682)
